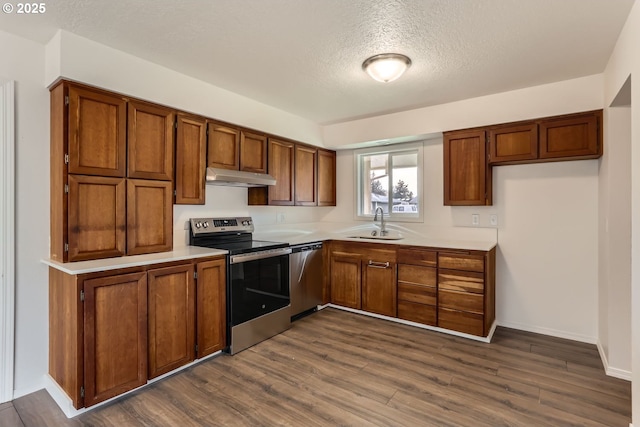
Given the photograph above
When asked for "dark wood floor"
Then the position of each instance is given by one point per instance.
(338, 368)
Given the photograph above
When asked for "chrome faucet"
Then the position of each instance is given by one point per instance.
(383, 230)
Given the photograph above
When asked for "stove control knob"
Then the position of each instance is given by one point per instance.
(197, 224)
(205, 224)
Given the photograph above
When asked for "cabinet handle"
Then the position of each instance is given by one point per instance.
(378, 264)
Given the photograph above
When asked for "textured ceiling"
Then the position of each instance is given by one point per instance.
(305, 56)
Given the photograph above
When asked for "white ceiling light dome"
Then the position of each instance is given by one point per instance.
(386, 67)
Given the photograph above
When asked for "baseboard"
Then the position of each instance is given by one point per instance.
(66, 405)
(612, 372)
(548, 331)
(31, 389)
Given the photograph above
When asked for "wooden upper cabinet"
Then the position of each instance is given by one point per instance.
(171, 314)
(96, 217)
(149, 216)
(211, 321)
(232, 148)
(572, 137)
(191, 160)
(97, 132)
(509, 144)
(253, 152)
(326, 177)
(281, 159)
(306, 175)
(150, 141)
(115, 335)
(223, 144)
(467, 177)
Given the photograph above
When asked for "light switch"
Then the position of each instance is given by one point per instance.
(493, 220)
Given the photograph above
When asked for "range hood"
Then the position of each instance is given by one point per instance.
(235, 178)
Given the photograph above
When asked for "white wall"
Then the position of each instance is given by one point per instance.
(23, 61)
(581, 94)
(625, 62)
(76, 58)
(615, 243)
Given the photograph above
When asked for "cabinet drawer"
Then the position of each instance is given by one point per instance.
(462, 281)
(417, 293)
(420, 313)
(461, 321)
(417, 275)
(461, 301)
(461, 261)
(417, 256)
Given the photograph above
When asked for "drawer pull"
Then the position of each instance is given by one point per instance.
(378, 264)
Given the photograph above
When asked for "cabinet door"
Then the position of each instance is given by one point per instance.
(253, 152)
(115, 335)
(171, 302)
(211, 303)
(379, 293)
(96, 217)
(149, 216)
(346, 280)
(223, 146)
(281, 158)
(326, 178)
(97, 133)
(467, 177)
(575, 137)
(513, 144)
(191, 151)
(150, 141)
(305, 175)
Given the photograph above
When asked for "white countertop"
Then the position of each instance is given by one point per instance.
(178, 254)
(435, 237)
(448, 238)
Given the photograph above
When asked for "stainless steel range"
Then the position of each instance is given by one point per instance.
(258, 300)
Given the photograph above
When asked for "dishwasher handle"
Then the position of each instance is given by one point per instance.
(306, 247)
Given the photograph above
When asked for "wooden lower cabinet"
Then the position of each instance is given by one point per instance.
(417, 293)
(466, 291)
(346, 280)
(450, 289)
(211, 307)
(379, 287)
(363, 276)
(115, 335)
(171, 318)
(109, 332)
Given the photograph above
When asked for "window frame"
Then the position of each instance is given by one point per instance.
(389, 150)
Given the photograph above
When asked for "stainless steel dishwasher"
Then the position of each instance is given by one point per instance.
(305, 278)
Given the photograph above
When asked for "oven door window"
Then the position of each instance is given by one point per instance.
(258, 287)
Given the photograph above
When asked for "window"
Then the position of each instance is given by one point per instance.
(390, 178)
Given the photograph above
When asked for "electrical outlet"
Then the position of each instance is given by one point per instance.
(493, 220)
(281, 217)
(475, 219)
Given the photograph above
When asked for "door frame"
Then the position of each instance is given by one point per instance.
(7, 239)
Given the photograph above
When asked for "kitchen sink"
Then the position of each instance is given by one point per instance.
(369, 236)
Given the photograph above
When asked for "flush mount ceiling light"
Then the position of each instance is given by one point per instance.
(386, 67)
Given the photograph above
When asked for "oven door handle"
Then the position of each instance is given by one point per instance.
(237, 259)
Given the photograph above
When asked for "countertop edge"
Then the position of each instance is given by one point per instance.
(94, 266)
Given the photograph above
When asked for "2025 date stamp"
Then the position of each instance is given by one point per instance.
(24, 8)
